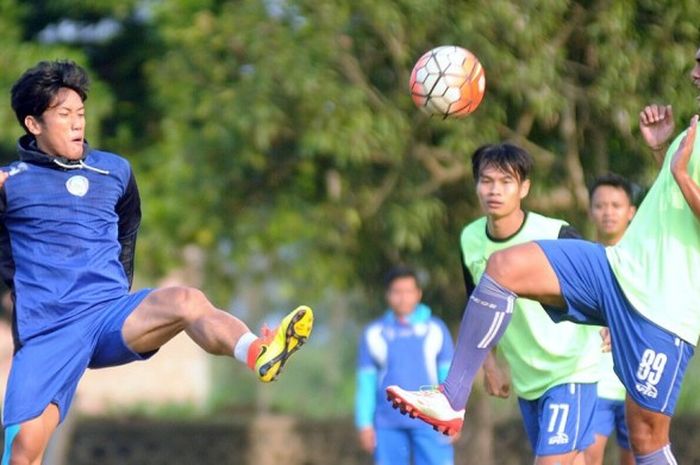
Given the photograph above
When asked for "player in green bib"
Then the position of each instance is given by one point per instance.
(554, 367)
(644, 289)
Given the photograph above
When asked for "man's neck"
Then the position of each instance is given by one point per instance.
(41, 148)
(505, 227)
(607, 241)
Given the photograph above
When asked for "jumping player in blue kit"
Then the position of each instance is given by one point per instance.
(69, 215)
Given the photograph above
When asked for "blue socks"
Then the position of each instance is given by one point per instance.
(485, 319)
(663, 456)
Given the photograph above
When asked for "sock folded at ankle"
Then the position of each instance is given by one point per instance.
(663, 456)
(247, 349)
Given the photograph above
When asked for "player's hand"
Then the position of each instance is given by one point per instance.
(656, 124)
(368, 439)
(606, 345)
(679, 162)
(3, 177)
(496, 379)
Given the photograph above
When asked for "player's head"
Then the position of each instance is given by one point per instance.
(48, 102)
(502, 176)
(403, 291)
(611, 207)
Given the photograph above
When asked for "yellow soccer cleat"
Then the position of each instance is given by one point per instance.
(277, 345)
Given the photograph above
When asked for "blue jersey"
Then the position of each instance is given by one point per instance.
(411, 354)
(67, 235)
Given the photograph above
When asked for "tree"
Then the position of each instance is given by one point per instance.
(290, 146)
(288, 130)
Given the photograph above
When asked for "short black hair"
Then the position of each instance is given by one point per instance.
(612, 180)
(505, 157)
(398, 273)
(36, 89)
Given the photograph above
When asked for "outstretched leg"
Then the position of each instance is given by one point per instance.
(164, 313)
(520, 271)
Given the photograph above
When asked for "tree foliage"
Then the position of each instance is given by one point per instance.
(287, 124)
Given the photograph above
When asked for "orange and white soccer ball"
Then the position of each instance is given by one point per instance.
(448, 81)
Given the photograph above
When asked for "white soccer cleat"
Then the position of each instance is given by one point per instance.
(431, 406)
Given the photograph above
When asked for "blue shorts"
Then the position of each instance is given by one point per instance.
(420, 446)
(610, 415)
(649, 360)
(48, 367)
(560, 421)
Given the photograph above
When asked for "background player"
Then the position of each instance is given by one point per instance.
(70, 215)
(611, 209)
(408, 345)
(643, 288)
(554, 367)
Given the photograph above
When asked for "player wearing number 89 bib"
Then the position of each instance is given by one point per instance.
(644, 289)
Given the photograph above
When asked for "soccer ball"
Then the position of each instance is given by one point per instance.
(448, 81)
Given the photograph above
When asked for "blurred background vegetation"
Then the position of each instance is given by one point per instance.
(278, 137)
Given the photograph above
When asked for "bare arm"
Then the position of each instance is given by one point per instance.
(679, 169)
(496, 378)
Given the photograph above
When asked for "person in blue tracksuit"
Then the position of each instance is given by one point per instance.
(406, 345)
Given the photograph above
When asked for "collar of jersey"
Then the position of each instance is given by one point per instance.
(421, 314)
(506, 239)
(29, 152)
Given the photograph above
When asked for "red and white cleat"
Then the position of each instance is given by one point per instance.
(431, 406)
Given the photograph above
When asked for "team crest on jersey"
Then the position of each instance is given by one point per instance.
(78, 185)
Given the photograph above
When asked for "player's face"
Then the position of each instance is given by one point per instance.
(403, 295)
(61, 129)
(695, 74)
(500, 192)
(611, 212)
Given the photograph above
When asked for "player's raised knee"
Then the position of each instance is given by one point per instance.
(501, 266)
(187, 303)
